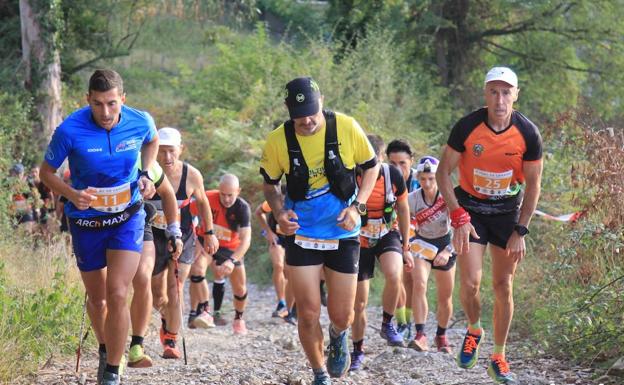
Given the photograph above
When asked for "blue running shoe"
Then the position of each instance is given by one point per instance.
(357, 359)
(469, 352)
(389, 333)
(110, 379)
(498, 370)
(338, 359)
(321, 379)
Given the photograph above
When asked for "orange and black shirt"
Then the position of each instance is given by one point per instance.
(491, 162)
(227, 221)
(377, 202)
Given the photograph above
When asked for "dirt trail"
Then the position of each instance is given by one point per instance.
(271, 354)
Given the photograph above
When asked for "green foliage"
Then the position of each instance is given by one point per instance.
(36, 323)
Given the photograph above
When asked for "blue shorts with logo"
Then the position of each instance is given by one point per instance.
(90, 245)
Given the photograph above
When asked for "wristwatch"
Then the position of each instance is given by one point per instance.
(521, 230)
(360, 207)
(209, 232)
(145, 173)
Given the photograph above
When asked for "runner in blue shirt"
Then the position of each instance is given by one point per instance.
(102, 142)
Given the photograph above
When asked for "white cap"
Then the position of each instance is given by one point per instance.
(169, 136)
(503, 74)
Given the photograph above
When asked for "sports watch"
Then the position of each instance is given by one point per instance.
(360, 207)
(209, 232)
(521, 230)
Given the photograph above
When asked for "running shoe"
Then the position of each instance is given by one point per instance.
(203, 321)
(321, 379)
(443, 344)
(101, 366)
(219, 320)
(109, 378)
(291, 318)
(498, 370)
(357, 359)
(467, 357)
(239, 327)
(389, 333)
(137, 357)
(338, 359)
(406, 331)
(280, 312)
(419, 342)
(170, 350)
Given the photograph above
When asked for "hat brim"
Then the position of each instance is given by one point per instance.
(304, 110)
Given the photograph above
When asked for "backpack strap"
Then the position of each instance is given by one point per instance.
(331, 135)
(297, 177)
(390, 198)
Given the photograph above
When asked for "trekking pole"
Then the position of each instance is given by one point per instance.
(80, 337)
(180, 299)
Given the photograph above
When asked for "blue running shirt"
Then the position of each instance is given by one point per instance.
(100, 158)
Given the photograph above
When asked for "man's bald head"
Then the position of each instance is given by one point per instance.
(230, 180)
(229, 188)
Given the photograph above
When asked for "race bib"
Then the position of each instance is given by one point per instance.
(424, 250)
(111, 199)
(492, 183)
(374, 229)
(160, 221)
(223, 233)
(316, 244)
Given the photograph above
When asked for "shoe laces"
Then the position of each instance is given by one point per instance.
(390, 328)
(470, 344)
(503, 366)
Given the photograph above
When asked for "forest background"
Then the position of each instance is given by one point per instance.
(402, 68)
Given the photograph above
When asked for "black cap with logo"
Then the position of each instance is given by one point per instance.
(302, 97)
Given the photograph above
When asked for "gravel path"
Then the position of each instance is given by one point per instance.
(271, 354)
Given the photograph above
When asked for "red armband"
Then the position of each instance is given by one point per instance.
(459, 217)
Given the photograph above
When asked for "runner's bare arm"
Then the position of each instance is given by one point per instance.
(148, 153)
(448, 164)
(533, 177)
(261, 216)
(369, 176)
(170, 208)
(403, 214)
(80, 198)
(287, 219)
(259, 213)
(516, 246)
(244, 234)
(196, 181)
(349, 217)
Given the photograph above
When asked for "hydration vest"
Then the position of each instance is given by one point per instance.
(389, 213)
(341, 179)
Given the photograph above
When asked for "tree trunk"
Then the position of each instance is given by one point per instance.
(42, 63)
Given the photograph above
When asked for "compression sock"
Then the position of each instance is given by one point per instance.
(218, 291)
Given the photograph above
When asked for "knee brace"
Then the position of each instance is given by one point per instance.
(240, 298)
(197, 278)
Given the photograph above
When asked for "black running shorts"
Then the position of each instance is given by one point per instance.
(345, 259)
(389, 242)
(494, 229)
(441, 244)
